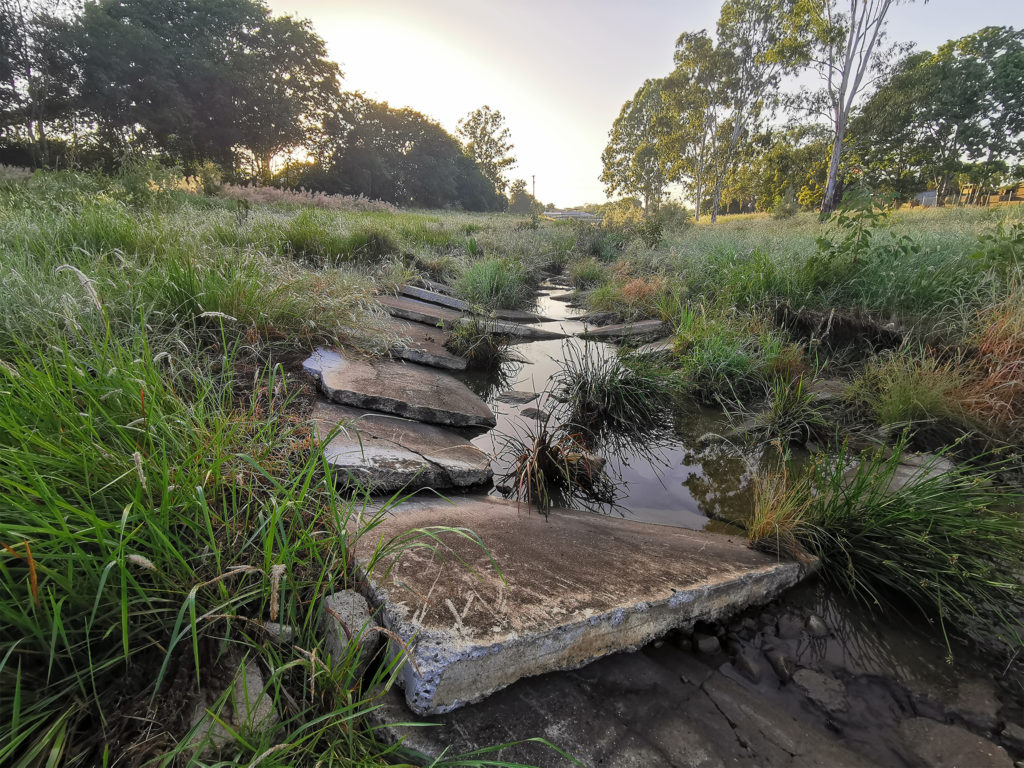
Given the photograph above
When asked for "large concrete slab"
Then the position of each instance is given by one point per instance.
(641, 329)
(385, 453)
(424, 344)
(655, 348)
(419, 311)
(434, 297)
(404, 389)
(572, 587)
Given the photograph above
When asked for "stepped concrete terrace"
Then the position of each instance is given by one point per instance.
(549, 593)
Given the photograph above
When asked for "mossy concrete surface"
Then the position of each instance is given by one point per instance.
(548, 593)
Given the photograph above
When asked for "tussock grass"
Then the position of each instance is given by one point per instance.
(494, 283)
(481, 349)
(603, 392)
(951, 542)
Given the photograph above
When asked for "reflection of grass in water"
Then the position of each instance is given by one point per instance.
(604, 394)
(486, 383)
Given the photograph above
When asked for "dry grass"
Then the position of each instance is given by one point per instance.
(995, 392)
(356, 203)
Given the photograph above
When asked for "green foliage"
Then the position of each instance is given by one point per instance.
(946, 539)
(1002, 251)
(605, 393)
(480, 348)
(587, 273)
(488, 141)
(496, 283)
(650, 231)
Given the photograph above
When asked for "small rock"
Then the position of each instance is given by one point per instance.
(767, 622)
(977, 704)
(658, 643)
(280, 634)
(749, 623)
(816, 626)
(346, 619)
(790, 627)
(826, 692)
(706, 643)
(941, 746)
(748, 666)
(781, 664)
(515, 397)
(253, 708)
(250, 710)
(1013, 735)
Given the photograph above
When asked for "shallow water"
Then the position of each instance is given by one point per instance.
(668, 476)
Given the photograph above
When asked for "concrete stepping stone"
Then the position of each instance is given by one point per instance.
(420, 311)
(519, 316)
(641, 329)
(433, 297)
(436, 287)
(565, 298)
(404, 389)
(517, 330)
(386, 453)
(517, 397)
(573, 587)
(434, 314)
(424, 344)
(654, 348)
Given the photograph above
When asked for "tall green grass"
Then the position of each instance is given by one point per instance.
(949, 540)
(494, 283)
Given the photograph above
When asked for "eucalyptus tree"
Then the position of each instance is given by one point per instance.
(843, 47)
(488, 141)
(945, 113)
(37, 73)
(634, 161)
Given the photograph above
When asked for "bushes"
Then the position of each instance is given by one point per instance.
(586, 273)
(494, 283)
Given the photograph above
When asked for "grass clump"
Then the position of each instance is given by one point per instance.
(790, 413)
(481, 349)
(587, 273)
(903, 389)
(496, 283)
(949, 540)
(552, 465)
(603, 392)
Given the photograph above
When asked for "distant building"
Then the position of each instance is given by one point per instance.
(579, 215)
(1009, 195)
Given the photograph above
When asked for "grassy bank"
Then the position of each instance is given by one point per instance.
(161, 495)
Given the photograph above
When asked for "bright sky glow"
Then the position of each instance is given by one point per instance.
(559, 70)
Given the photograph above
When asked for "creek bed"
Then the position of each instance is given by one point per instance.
(866, 681)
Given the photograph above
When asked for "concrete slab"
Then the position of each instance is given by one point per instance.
(518, 330)
(404, 389)
(573, 587)
(519, 316)
(434, 297)
(641, 329)
(386, 453)
(655, 348)
(419, 311)
(433, 285)
(424, 344)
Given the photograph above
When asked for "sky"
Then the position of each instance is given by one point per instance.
(558, 70)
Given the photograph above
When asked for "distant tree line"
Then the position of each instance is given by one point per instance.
(900, 121)
(225, 82)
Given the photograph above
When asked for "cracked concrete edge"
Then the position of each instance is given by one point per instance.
(446, 672)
